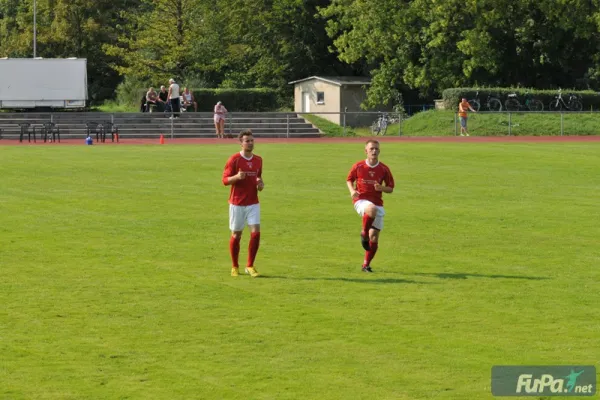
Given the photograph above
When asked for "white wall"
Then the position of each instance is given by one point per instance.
(331, 103)
(43, 80)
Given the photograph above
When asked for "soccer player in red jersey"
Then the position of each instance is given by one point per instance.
(367, 181)
(243, 172)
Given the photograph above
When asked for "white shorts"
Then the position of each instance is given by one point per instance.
(360, 206)
(239, 216)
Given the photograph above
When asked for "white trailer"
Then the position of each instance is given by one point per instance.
(43, 82)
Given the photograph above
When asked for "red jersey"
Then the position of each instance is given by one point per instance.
(366, 177)
(244, 192)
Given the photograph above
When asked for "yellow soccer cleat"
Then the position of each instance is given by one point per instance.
(253, 272)
(235, 271)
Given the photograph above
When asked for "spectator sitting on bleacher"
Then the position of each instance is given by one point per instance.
(188, 99)
(151, 99)
(163, 96)
(143, 104)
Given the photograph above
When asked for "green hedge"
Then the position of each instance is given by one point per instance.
(258, 99)
(451, 97)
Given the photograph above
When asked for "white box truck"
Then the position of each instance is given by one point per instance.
(43, 83)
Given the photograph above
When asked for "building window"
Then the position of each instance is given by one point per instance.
(320, 97)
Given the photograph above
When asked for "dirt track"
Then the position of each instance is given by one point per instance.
(449, 139)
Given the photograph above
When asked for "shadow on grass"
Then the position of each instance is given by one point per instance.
(459, 275)
(366, 279)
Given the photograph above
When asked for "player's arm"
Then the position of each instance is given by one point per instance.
(388, 181)
(350, 182)
(230, 180)
(229, 175)
(383, 188)
(353, 192)
(260, 184)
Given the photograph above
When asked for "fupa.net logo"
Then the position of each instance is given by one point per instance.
(547, 383)
(543, 380)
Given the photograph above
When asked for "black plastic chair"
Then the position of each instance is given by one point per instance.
(26, 131)
(51, 132)
(109, 128)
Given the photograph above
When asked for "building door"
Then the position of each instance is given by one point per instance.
(305, 102)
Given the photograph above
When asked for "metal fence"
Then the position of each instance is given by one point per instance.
(544, 123)
(292, 124)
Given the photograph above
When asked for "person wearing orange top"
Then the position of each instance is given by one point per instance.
(463, 107)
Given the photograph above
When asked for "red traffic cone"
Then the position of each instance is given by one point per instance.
(162, 139)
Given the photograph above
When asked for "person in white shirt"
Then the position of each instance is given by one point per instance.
(174, 97)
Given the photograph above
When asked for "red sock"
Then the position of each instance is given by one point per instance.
(253, 247)
(369, 255)
(367, 223)
(234, 250)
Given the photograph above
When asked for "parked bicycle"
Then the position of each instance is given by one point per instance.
(574, 104)
(379, 126)
(531, 103)
(492, 103)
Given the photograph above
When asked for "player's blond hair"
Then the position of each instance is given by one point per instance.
(372, 141)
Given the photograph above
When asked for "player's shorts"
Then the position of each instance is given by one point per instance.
(463, 122)
(239, 216)
(360, 206)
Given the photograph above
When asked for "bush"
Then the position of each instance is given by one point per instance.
(129, 94)
(258, 99)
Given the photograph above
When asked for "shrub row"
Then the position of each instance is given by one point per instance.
(451, 97)
(259, 99)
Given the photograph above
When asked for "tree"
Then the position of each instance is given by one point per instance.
(434, 44)
(264, 43)
(65, 28)
(159, 41)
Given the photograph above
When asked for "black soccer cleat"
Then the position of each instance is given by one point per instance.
(367, 269)
(364, 240)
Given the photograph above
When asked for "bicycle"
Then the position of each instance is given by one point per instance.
(492, 103)
(531, 103)
(379, 126)
(574, 104)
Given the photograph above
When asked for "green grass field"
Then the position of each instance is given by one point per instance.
(114, 272)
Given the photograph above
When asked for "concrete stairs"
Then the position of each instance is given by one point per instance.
(73, 125)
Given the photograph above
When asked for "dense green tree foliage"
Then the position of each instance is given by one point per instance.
(424, 45)
(431, 45)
